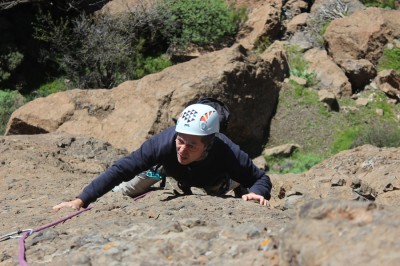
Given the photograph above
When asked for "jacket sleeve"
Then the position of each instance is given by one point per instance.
(148, 155)
(122, 170)
(262, 186)
(242, 169)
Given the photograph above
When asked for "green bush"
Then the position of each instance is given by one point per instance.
(305, 96)
(51, 87)
(94, 53)
(298, 66)
(298, 162)
(9, 61)
(261, 44)
(152, 64)
(101, 51)
(379, 134)
(201, 22)
(390, 4)
(383, 133)
(323, 27)
(344, 140)
(390, 59)
(9, 102)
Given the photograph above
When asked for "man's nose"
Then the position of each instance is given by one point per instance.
(184, 148)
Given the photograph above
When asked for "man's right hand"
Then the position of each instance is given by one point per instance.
(75, 204)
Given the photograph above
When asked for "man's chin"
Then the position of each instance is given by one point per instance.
(183, 161)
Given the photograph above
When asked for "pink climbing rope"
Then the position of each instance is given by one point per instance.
(142, 195)
(21, 256)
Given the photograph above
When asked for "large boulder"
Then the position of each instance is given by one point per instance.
(389, 82)
(135, 110)
(264, 21)
(359, 72)
(365, 173)
(363, 34)
(331, 77)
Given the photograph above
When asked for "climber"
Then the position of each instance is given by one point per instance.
(193, 152)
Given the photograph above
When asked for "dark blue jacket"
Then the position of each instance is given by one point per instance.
(224, 158)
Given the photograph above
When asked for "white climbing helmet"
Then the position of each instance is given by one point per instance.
(198, 119)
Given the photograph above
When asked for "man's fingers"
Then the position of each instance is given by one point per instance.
(57, 207)
(258, 198)
(62, 205)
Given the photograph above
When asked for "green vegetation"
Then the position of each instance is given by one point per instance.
(298, 162)
(304, 95)
(322, 134)
(201, 22)
(389, 4)
(9, 102)
(151, 65)
(261, 44)
(379, 134)
(298, 66)
(390, 59)
(9, 61)
(51, 87)
(366, 127)
(324, 25)
(102, 51)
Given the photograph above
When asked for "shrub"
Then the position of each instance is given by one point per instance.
(298, 66)
(390, 4)
(9, 102)
(390, 59)
(298, 162)
(51, 87)
(296, 62)
(92, 53)
(152, 64)
(379, 134)
(201, 22)
(261, 44)
(344, 140)
(383, 133)
(100, 51)
(9, 61)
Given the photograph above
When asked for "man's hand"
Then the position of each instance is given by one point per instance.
(75, 204)
(255, 197)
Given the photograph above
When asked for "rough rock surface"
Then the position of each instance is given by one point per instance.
(322, 225)
(331, 76)
(363, 34)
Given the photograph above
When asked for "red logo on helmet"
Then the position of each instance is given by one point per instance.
(205, 117)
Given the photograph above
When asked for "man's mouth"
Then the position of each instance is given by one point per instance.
(182, 157)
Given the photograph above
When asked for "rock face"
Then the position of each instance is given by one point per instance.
(330, 75)
(135, 110)
(363, 34)
(264, 21)
(345, 206)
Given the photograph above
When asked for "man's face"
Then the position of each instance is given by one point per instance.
(189, 148)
